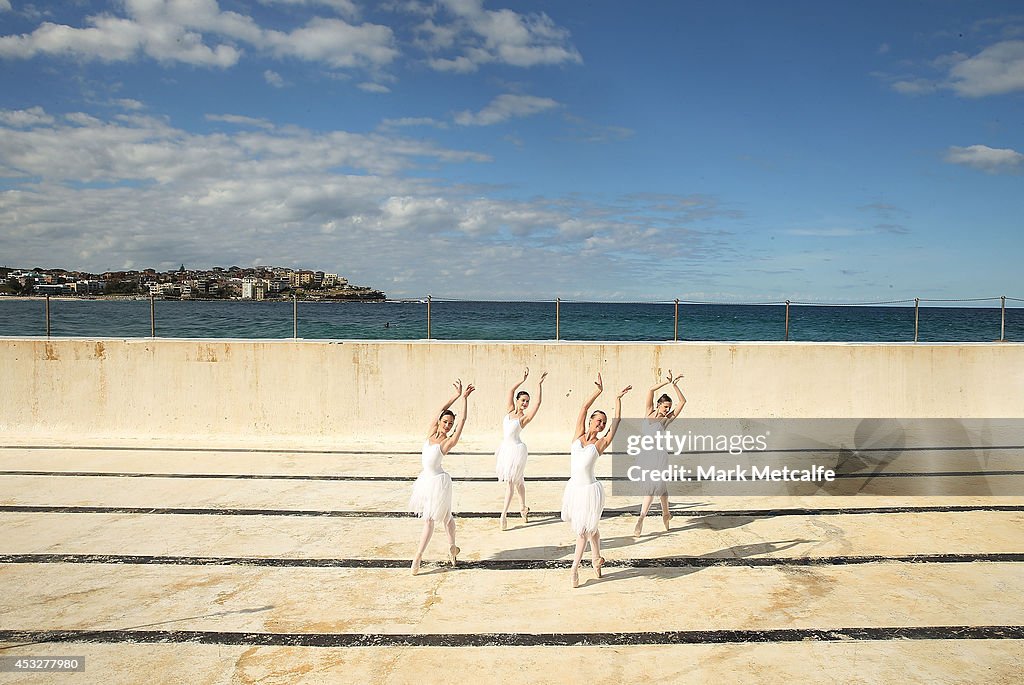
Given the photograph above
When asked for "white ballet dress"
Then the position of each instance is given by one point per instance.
(652, 460)
(510, 457)
(432, 491)
(583, 501)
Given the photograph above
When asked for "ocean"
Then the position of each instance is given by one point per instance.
(460, 320)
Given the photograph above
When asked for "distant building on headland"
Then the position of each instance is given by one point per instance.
(255, 283)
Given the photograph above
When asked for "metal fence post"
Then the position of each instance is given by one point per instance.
(558, 317)
(787, 320)
(1002, 321)
(152, 314)
(295, 316)
(917, 307)
(428, 317)
(675, 336)
(47, 316)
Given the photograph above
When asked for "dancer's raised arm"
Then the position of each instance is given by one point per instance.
(536, 405)
(603, 443)
(581, 420)
(682, 400)
(437, 415)
(510, 405)
(654, 389)
(453, 440)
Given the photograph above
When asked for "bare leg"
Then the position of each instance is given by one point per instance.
(581, 545)
(648, 500)
(666, 515)
(510, 487)
(595, 551)
(521, 488)
(453, 549)
(428, 531)
(449, 527)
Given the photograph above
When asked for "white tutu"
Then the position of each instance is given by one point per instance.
(432, 497)
(510, 459)
(582, 506)
(652, 460)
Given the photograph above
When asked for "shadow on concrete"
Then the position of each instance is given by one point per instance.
(672, 572)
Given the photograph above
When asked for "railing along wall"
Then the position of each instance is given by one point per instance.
(791, 311)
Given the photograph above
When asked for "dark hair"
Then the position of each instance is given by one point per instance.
(521, 393)
(664, 398)
(598, 411)
(446, 412)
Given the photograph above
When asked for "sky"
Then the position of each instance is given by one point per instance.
(727, 151)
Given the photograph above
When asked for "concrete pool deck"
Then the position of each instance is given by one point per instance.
(178, 566)
(188, 511)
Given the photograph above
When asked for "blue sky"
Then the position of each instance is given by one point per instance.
(732, 151)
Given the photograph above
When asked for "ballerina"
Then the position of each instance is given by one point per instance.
(583, 501)
(511, 454)
(432, 492)
(657, 419)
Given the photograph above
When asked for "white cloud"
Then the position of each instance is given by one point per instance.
(984, 158)
(130, 104)
(500, 36)
(345, 8)
(111, 39)
(90, 193)
(336, 43)
(240, 120)
(996, 70)
(373, 88)
(503, 108)
(188, 31)
(412, 121)
(5, 5)
(25, 118)
(273, 78)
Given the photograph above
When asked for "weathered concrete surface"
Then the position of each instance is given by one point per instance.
(504, 586)
(443, 600)
(729, 563)
(940, 662)
(290, 537)
(346, 393)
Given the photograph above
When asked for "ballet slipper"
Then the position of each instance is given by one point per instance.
(504, 523)
(453, 553)
(639, 530)
(525, 513)
(575, 578)
(415, 566)
(598, 563)
(665, 518)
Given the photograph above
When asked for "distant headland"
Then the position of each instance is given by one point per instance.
(217, 283)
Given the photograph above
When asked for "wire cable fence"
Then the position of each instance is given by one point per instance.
(442, 318)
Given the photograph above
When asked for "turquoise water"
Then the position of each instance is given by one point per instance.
(504, 321)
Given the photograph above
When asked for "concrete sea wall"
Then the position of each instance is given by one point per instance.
(380, 395)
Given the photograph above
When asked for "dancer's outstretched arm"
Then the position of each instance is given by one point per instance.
(453, 440)
(536, 405)
(511, 403)
(437, 415)
(581, 420)
(603, 443)
(654, 389)
(674, 414)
